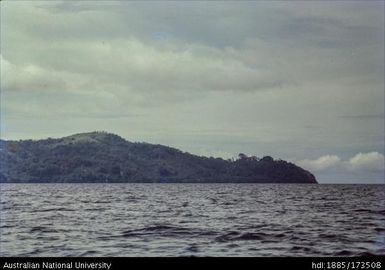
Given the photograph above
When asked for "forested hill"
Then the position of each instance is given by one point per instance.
(104, 157)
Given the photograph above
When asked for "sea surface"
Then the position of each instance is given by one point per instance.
(191, 220)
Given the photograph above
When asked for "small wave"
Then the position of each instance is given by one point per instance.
(251, 236)
(236, 236)
(167, 231)
(102, 202)
(344, 253)
(163, 228)
(192, 248)
(226, 237)
(42, 229)
(5, 226)
(95, 209)
(88, 253)
(213, 200)
(48, 238)
(380, 212)
(300, 248)
(366, 254)
(61, 209)
(370, 211)
(328, 236)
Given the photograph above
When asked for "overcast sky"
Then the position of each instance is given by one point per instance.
(301, 81)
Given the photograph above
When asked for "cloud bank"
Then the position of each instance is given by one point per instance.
(361, 165)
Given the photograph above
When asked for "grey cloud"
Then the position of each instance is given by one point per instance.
(329, 32)
(290, 79)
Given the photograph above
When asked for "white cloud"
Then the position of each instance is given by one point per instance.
(29, 77)
(322, 163)
(372, 161)
(360, 163)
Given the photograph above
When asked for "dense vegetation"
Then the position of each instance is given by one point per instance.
(104, 157)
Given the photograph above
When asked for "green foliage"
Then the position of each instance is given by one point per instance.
(103, 157)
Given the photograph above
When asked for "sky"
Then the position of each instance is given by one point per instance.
(297, 80)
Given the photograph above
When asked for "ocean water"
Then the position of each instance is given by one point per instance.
(191, 220)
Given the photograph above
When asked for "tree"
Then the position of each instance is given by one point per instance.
(267, 159)
(242, 156)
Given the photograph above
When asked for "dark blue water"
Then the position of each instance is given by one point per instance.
(191, 220)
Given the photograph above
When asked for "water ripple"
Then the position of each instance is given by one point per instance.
(191, 220)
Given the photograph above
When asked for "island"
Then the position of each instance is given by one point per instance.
(101, 157)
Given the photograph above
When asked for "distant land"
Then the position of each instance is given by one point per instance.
(101, 157)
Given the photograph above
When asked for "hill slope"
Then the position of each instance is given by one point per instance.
(104, 157)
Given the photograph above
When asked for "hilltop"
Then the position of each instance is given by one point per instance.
(103, 157)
